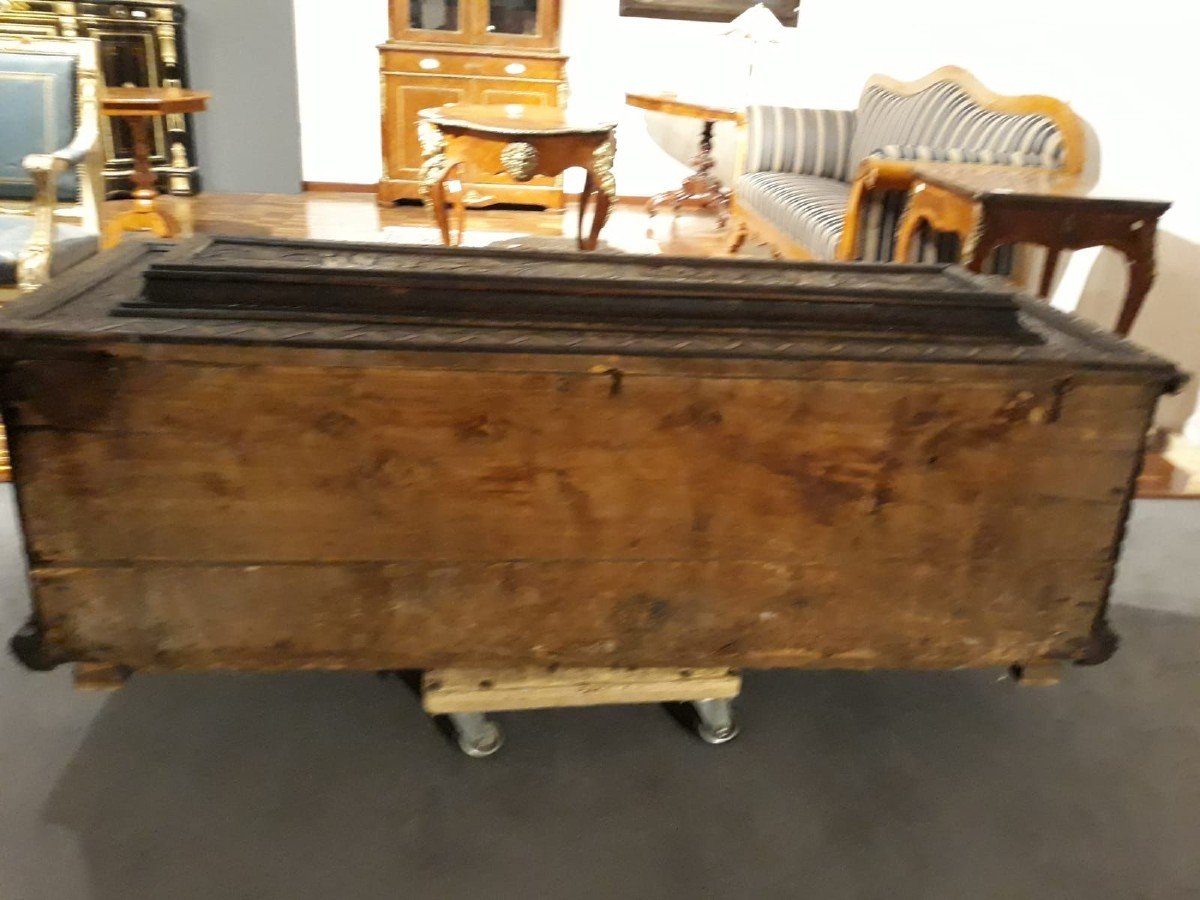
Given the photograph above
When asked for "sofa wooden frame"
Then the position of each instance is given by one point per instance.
(85, 154)
(887, 174)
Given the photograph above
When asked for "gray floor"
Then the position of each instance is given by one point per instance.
(863, 786)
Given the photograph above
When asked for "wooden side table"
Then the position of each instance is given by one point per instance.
(140, 106)
(992, 206)
(702, 186)
(521, 142)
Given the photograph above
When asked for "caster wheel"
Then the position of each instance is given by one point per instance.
(482, 741)
(717, 736)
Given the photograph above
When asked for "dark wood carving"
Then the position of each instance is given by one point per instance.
(250, 279)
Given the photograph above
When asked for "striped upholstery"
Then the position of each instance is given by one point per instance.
(800, 141)
(921, 153)
(946, 116)
(808, 209)
(801, 160)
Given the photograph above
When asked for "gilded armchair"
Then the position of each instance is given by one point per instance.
(51, 160)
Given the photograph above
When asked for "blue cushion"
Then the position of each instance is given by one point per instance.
(72, 245)
(37, 115)
(807, 209)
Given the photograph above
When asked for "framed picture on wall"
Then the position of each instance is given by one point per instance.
(706, 10)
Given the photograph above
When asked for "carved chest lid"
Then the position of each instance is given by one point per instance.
(225, 291)
(311, 281)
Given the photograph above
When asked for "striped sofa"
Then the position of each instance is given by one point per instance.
(832, 184)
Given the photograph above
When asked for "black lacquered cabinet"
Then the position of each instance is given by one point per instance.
(142, 44)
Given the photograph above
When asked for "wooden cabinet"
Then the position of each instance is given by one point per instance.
(141, 45)
(467, 51)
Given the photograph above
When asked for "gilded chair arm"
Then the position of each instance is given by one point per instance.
(45, 164)
(34, 262)
(75, 153)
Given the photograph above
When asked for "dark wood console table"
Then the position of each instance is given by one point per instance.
(992, 206)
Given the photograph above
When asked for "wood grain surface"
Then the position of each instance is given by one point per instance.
(277, 495)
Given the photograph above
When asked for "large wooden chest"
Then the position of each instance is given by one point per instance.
(262, 455)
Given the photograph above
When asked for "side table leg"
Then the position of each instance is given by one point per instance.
(906, 232)
(978, 244)
(446, 202)
(1049, 271)
(1140, 253)
(593, 193)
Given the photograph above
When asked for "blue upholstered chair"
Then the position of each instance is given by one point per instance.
(51, 162)
(831, 184)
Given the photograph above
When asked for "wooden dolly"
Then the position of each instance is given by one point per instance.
(467, 696)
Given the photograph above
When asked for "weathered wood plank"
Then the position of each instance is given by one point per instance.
(183, 462)
(657, 614)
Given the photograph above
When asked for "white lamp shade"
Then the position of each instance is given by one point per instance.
(757, 24)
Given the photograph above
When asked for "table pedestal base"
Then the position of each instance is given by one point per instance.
(146, 216)
(702, 187)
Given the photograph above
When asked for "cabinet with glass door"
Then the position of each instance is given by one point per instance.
(467, 51)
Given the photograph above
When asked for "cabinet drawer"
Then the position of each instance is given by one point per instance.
(420, 62)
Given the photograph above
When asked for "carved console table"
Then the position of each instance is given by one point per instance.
(993, 206)
(522, 142)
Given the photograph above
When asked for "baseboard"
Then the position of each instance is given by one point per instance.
(338, 187)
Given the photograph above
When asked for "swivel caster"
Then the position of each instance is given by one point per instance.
(478, 736)
(716, 723)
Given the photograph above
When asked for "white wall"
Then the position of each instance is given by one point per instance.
(339, 88)
(1128, 68)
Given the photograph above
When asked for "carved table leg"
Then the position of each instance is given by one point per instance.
(146, 214)
(449, 209)
(600, 186)
(1048, 271)
(978, 244)
(589, 238)
(909, 226)
(1139, 250)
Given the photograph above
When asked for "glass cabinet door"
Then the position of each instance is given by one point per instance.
(512, 17)
(434, 15)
